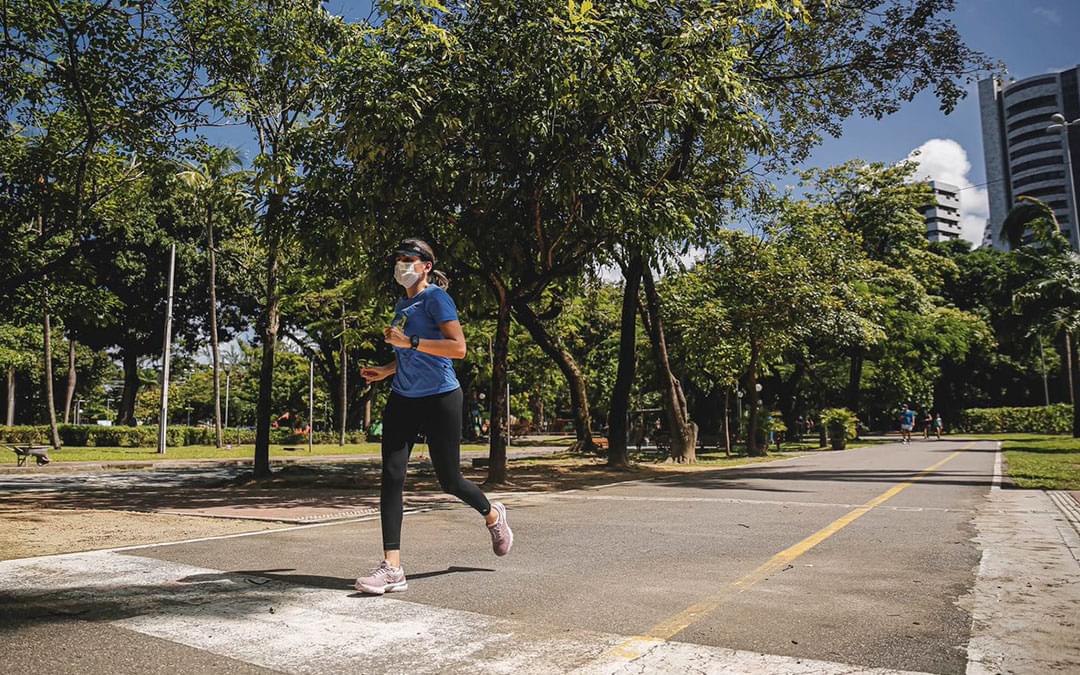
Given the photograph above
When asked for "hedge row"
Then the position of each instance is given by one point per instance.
(147, 436)
(1051, 419)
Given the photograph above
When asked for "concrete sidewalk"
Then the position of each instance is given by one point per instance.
(1025, 603)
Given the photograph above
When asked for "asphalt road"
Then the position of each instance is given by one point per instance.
(860, 557)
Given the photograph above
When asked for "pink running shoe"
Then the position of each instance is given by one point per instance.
(502, 538)
(385, 579)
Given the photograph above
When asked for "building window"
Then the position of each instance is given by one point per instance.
(1039, 178)
(1055, 190)
(1028, 84)
(1031, 150)
(1031, 104)
(1041, 118)
(1036, 163)
(1028, 135)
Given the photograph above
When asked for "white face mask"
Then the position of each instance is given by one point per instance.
(405, 274)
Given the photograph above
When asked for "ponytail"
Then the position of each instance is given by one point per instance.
(439, 279)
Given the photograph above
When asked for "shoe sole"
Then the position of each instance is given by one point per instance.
(388, 588)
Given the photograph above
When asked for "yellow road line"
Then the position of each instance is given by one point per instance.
(633, 647)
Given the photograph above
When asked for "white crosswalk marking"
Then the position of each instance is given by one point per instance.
(299, 629)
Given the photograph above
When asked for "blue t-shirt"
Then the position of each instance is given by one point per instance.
(419, 374)
(907, 417)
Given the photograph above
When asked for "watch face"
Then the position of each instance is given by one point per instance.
(415, 341)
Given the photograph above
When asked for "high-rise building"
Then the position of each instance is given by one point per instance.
(943, 214)
(1022, 156)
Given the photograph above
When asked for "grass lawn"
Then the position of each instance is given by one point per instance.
(1045, 462)
(1013, 437)
(105, 454)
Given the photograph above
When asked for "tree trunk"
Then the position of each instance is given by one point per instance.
(727, 429)
(69, 393)
(126, 413)
(10, 395)
(752, 447)
(682, 429)
(50, 401)
(499, 428)
(1069, 367)
(854, 392)
(618, 452)
(575, 380)
(269, 324)
(215, 352)
(343, 393)
(789, 399)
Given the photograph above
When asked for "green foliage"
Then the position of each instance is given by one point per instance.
(839, 422)
(1053, 419)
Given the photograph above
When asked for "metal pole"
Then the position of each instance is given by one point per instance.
(1072, 187)
(228, 373)
(163, 421)
(311, 403)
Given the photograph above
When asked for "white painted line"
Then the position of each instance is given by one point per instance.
(732, 500)
(300, 629)
(996, 483)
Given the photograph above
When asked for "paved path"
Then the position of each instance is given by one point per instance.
(862, 561)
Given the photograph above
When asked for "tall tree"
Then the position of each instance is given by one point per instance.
(265, 65)
(78, 77)
(218, 191)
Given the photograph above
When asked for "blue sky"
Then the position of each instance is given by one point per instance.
(1028, 37)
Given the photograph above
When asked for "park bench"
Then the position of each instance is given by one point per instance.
(39, 452)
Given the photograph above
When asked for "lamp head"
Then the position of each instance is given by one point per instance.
(1057, 118)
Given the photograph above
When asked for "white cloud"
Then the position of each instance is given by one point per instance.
(946, 160)
(1050, 15)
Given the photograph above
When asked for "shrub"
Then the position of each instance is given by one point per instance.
(1052, 419)
(87, 435)
(840, 422)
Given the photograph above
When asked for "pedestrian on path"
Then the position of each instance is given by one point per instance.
(907, 423)
(425, 397)
(928, 420)
(939, 426)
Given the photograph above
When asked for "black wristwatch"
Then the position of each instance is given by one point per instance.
(414, 342)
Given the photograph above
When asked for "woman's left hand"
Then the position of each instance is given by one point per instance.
(395, 337)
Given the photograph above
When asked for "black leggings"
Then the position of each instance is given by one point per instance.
(439, 418)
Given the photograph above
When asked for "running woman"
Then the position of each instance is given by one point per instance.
(425, 397)
(907, 423)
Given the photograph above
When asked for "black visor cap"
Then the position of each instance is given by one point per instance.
(410, 251)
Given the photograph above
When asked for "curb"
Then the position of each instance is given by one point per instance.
(1070, 508)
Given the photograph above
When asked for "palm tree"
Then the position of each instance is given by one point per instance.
(215, 190)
